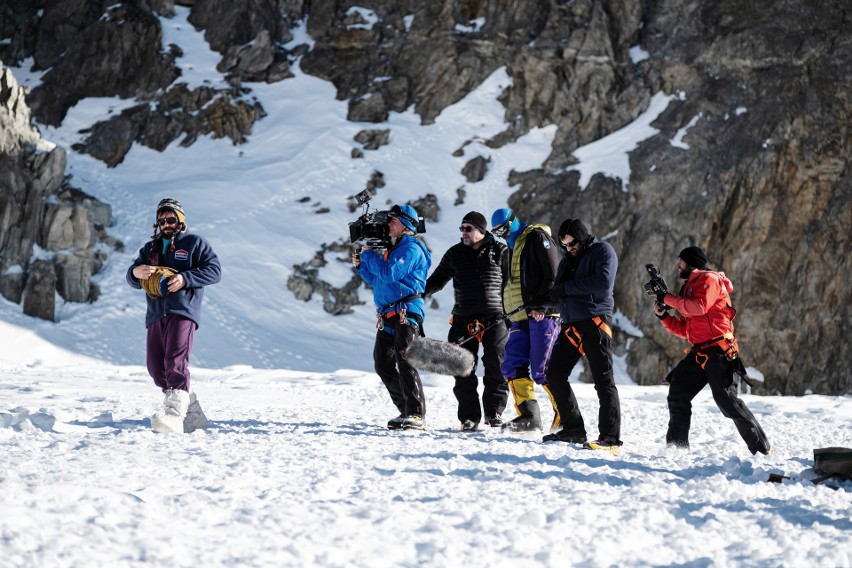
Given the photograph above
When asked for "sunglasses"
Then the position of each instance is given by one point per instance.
(167, 221)
(566, 246)
(501, 231)
(466, 229)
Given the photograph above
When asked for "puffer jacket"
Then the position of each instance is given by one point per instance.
(402, 275)
(704, 303)
(478, 276)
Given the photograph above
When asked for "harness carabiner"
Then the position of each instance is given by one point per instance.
(476, 329)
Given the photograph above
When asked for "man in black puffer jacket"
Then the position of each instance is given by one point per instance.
(478, 267)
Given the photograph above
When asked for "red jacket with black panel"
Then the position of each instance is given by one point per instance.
(704, 303)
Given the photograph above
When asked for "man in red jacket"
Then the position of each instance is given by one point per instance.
(704, 304)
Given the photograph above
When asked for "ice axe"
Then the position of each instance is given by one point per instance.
(447, 358)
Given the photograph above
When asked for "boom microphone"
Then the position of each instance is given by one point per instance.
(440, 357)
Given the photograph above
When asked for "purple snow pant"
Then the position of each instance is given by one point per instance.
(529, 347)
(169, 346)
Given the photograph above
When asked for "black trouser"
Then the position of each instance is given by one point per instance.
(495, 392)
(688, 378)
(401, 379)
(596, 345)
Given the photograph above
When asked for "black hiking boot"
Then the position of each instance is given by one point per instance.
(563, 436)
(413, 422)
(495, 422)
(528, 421)
(469, 426)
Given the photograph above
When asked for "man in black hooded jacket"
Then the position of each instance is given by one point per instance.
(478, 267)
(583, 292)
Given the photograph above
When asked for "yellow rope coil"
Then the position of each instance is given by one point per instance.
(152, 284)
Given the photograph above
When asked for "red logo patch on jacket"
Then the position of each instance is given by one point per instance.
(181, 254)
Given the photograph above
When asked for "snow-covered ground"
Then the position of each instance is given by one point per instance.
(297, 468)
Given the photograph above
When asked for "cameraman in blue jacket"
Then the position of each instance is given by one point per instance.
(398, 279)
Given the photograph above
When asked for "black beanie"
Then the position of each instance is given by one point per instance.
(694, 257)
(476, 219)
(574, 228)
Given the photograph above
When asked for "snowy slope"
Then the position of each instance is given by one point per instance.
(298, 469)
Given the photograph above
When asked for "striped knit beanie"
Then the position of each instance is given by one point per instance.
(169, 204)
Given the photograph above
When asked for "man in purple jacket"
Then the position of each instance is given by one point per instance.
(173, 268)
(532, 266)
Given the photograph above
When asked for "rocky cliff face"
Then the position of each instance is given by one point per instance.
(769, 155)
(764, 186)
(761, 180)
(52, 236)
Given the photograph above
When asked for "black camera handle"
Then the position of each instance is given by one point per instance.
(656, 284)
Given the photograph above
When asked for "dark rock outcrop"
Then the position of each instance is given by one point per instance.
(250, 35)
(373, 139)
(100, 49)
(96, 49)
(305, 281)
(39, 298)
(48, 229)
(178, 112)
(764, 185)
(474, 170)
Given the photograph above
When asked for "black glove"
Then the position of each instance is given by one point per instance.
(656, 287)
(557, 292)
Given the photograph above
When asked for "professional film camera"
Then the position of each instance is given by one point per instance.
(371, 228)
(656, 286)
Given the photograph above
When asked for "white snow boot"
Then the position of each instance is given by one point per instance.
(171, 419)
(195, 419)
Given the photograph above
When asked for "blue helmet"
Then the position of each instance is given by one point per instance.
(504, 223)
(407, 215)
